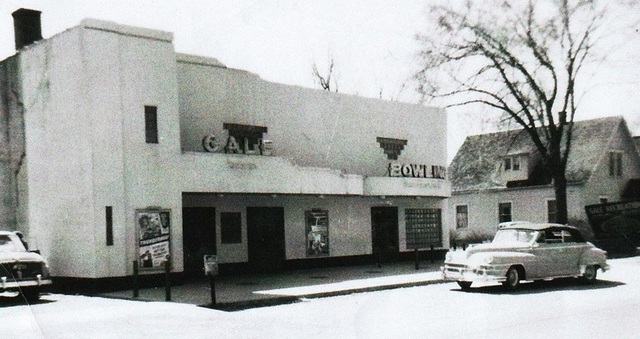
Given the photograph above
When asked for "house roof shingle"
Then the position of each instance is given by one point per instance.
(476, 165)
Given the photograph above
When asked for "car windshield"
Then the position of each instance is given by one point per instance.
(7, 244)
(523, 236)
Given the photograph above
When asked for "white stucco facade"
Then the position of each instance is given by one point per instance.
(81, 151)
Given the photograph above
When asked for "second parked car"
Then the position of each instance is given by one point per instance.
(526, 251)
(21, 270)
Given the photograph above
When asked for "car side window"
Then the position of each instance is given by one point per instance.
(553, 237)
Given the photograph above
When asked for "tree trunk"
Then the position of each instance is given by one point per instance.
(560, 188)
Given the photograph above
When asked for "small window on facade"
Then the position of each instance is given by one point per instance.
(462, 216)
(230, 227)
(151, 124)
(615, 164)
(423, 227)
(109, 224)
(507, 164)
(512, 163)
(552, 211)
(504, 211)
(515, 164)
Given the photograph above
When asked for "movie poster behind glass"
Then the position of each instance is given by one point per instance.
(153, 227)
(317, 227)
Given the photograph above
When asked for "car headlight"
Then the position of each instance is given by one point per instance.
(447, 257)
(45, 270)
(487, 260)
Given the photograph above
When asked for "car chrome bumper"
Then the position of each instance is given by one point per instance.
(9, 285)
(466, 273)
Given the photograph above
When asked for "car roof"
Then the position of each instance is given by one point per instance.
(524, 225)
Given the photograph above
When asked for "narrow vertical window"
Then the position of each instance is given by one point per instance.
(504, 212)
(151, 124)
(615, 164)
(619, 163)
(109, 224)
(462, 216)
(552, 211)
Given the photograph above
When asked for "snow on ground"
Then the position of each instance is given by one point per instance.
(416, 312)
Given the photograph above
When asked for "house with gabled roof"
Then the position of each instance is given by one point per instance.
(499, 177)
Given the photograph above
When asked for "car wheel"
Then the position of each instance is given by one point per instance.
(31, 294)
(464, 285)
(513, 278)
(590, 274)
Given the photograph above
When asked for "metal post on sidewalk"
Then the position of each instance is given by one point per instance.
(212, 283)
(136, 292)
(167, 277)
(432, 254)
(416, 257)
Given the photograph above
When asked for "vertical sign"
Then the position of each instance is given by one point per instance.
(153, 227)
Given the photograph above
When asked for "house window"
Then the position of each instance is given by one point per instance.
(109, 224)
(462, 216)
(615, 163)
(504, 211)
(151, 124)
(230, 228)
(552, 211)
(423, 227)
(512, 163)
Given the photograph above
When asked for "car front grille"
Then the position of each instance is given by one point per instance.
(20, 270)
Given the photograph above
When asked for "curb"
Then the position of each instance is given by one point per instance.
(283, 300)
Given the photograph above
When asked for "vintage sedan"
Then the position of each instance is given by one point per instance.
(21, 270)
(526, 251)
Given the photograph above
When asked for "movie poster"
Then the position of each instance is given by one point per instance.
(153, 228)
(317, 232)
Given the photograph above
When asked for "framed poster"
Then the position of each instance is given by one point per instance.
(317, 230)
(153, 228)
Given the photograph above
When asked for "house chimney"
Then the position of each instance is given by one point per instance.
(26, 26)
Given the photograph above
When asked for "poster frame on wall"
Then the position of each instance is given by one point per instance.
(317, 232)
(153, 237)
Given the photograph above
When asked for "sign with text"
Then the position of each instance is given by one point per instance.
(616, 225)
(416, 171)
(153, 228)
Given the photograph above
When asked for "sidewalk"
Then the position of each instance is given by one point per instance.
(255, 290)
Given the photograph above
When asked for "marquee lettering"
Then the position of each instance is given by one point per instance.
(416, 171)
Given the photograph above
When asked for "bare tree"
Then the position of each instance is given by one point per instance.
(327, 80)
(520, 58)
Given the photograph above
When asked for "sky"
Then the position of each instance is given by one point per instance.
(371, 42)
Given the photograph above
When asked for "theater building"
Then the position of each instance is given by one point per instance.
(114, 148)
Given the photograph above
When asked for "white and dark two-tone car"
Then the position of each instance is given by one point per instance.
(21, 270)
(526, 251)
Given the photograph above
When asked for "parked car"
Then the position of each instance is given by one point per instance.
(526, 251)
(21, 270)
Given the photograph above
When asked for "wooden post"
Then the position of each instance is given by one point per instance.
(136, 291)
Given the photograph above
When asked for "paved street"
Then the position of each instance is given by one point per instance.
(557, 309)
